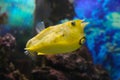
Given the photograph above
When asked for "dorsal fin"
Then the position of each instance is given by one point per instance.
(40, 26)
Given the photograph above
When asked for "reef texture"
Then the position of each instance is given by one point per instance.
(74, 66)
(7, 68)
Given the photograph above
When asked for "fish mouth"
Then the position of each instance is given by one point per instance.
(85, 23)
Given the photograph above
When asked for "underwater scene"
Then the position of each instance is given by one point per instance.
(59, 39)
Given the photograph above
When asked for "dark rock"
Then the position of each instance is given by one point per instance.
(7, 68)
(3, 18)
(7, 42)
(47, 73)
(61, 12)
(76, 65)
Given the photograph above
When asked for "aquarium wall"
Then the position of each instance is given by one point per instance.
(19, 18)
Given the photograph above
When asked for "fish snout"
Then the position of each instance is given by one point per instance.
(83, 24)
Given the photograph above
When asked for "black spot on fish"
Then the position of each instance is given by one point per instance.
(82, 40)
(73, 23)
(63, 35)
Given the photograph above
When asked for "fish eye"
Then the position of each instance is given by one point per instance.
(82, 40)
(73, 23)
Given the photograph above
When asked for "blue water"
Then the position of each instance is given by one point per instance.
(103, 32)
(19, 12)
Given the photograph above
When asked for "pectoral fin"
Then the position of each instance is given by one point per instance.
(39, 53)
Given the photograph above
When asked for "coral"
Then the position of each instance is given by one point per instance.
(113, 20)
(47, 73)
(77, 65)
(7, 68)
(7, 41)
(102, 32)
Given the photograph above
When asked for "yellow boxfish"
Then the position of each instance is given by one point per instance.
(61, 38)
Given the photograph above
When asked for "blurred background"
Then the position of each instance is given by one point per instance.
(18, 19)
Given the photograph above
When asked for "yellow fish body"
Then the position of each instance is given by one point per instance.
(61, 38)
